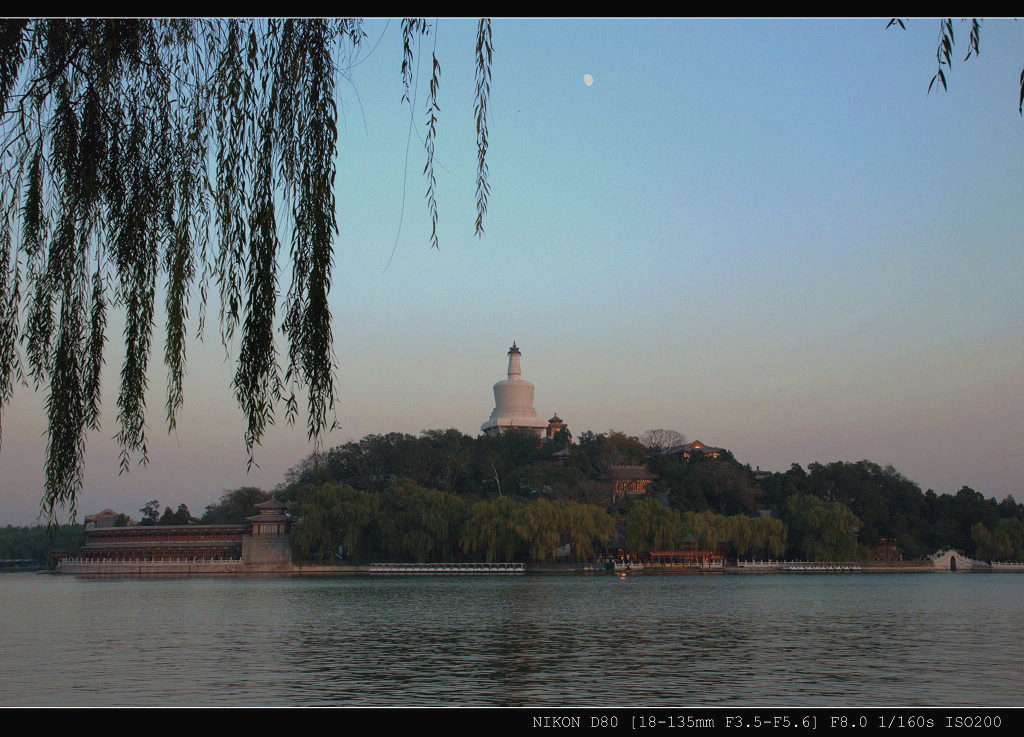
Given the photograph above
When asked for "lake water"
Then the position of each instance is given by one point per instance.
(718, 640)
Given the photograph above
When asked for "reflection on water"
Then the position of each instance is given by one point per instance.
(868, 640)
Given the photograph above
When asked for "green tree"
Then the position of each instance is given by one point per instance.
(1005, 542)
(623, 450)
(37, 542)
(150, 513)
(1013, 531)
(821, 530)
(741, 535)
(182, 516)
(493, 462)
(419, 523)
(769, 537)
(452, 452)
(734, 492)
(986, 546)
(651, 526)
(588, 528)
(546, 479)
(541, 526)
(330, 516)
(491, 529)
(710, 531)
(168, 517)
(234, 506)
(138, 151)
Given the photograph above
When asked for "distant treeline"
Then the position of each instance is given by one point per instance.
(888, 505)
(446, 495)
(37, 543)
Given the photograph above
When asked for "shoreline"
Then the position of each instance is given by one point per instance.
(233, 569)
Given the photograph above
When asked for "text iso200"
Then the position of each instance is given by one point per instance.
(986, 722)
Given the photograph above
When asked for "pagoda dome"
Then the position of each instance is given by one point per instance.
(513, 401)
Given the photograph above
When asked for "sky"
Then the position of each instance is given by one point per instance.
(765, 234)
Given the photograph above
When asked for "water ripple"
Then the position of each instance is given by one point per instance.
(870, 640)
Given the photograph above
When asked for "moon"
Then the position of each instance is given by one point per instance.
(588, 80)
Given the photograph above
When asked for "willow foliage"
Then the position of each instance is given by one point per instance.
(944, 51)
(190, 154)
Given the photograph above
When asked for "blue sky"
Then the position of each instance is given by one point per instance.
(765, 234)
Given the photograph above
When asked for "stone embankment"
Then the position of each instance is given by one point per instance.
(1007, 567)
(943, 561)
(80, 567)
(216, 568)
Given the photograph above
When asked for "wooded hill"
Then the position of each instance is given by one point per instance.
(837, 511)
(445, 495)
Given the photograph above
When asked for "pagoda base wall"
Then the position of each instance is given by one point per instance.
(267, 550)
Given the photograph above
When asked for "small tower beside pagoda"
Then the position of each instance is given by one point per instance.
(268, 542)
(555, 425)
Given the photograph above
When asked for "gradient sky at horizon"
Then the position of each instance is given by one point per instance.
(764, 234)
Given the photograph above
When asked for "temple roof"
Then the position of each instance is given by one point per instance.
(160, 530)
(556, 418)
(690, 447)
(271, 504)
(631, 472)
(264, 517)
(104, 513)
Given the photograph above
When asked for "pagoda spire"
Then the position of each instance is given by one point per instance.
(514, 372)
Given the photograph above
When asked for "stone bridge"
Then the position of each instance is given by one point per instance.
(954, 560)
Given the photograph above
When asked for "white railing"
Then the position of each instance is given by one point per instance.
(763, 563)
(822, 567)
(449, 569)
(798, 565)
(162, 561)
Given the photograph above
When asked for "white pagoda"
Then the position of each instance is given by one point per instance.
(513, 402)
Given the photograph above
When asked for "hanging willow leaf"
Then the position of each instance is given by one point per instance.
(484, 56)
(178, 151)
(944, 50)
(10, 293)
(975, 39)
(428, 169)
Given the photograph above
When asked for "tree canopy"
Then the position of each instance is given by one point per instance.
(190, 153)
